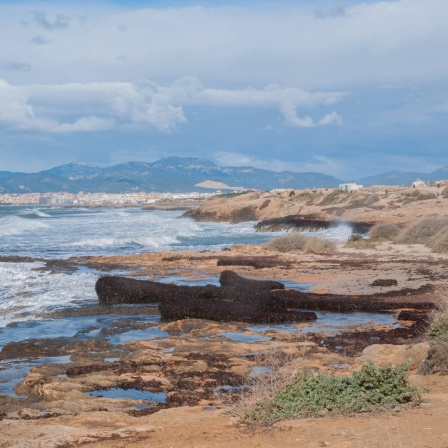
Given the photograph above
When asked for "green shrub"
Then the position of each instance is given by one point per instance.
(422, 231)
(438, 333)
(384, 231)
(371, 389)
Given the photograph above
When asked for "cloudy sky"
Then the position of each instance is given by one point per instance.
(345, 87)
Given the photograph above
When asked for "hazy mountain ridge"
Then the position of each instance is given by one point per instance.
(171, 174)
(181, 174)
(404, 177)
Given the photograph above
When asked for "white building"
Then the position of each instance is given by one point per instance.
(418, 184)
(353, 186)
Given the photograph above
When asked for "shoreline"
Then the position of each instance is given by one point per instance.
(189, 360)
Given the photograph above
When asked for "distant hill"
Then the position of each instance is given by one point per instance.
(181, 175)
(171, 174)
(403, 177)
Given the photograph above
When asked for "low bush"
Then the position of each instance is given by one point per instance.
(417, 195)
(293, 242)
(438, 333)
(437, 336)
(370, 389)
(384, 232)
(439, 242)
(362, 243)
(437, 359)
(422, 231)
(362, 200)
(445, 193)
(290, 242)
(335, 197)
(320, 246)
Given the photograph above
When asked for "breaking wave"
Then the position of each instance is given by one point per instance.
(15, 225)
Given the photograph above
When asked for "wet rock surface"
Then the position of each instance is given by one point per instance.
(237, 299)
(305, 222)
(384, 282)
(197, 362)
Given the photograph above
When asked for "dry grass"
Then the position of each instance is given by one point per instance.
(439, 242)
(320, 246)
(437, 336)
(422, 231)
(335, 197)
(416, 195)
(263, 388)
(386, 232)
(445, 193)
(362, 243)
(293, 242)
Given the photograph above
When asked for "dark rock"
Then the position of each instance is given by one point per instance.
(113, 290)
(230, 279)
(384, 282)
(255, 262)
(237, 299)
(245, 300)
(224, 311)
(422, 298)
(305, 222)
(422, 319)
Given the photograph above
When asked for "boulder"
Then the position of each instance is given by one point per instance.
(114, 290)
(230, 279)
(384, 282)
(237, 299)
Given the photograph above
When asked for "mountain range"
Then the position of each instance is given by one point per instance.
(181, 175)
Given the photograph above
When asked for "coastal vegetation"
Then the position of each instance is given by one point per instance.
(293, 242)
(422, 231)
(445, 193)
(430, 231)
(387, 232)
(370, 389)
(437, 336)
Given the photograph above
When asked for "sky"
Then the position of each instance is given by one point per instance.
(343, 87)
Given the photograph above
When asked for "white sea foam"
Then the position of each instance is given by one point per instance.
(28, 290)
(26, 293)
(35, 212)
(15, 225)
(341, 232)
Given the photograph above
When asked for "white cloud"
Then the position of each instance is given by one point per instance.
(85, 124)
(318, 163)
(146, 104)
(284, 42)
(331, 118)
(59, 22)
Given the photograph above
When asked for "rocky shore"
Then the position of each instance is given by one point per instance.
(174, 388)
(312, 209)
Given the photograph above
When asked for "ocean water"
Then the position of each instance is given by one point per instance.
(32, 285)
(28, 289)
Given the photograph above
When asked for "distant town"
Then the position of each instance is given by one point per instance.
(95, 199)
(146, 198)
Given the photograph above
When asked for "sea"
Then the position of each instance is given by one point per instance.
(29, 290)
(40, 299)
